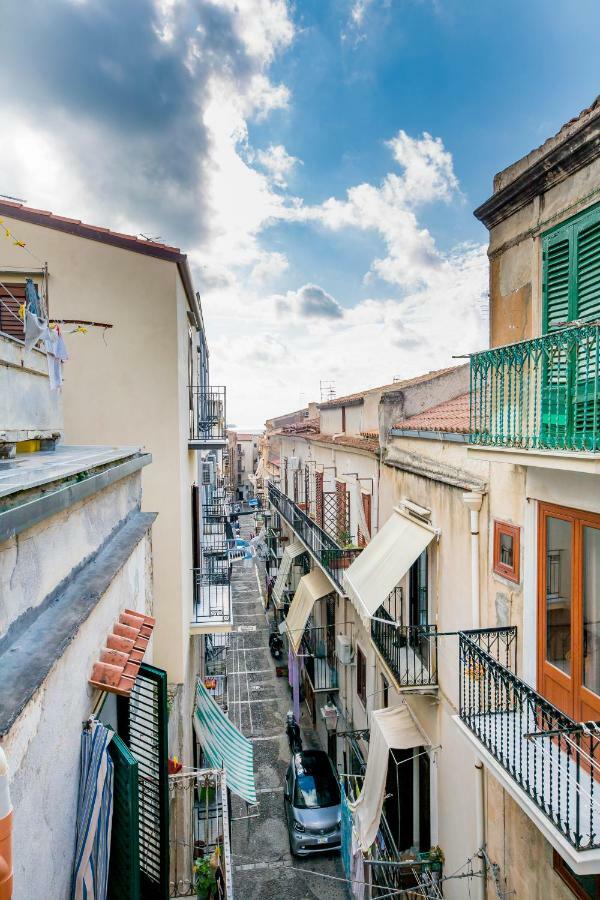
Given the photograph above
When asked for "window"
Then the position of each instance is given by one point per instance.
(586, 887)
(506, 550)
(569, 610)
(12, 296)
(385, 692)
(361, 676)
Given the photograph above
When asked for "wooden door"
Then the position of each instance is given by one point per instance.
(569, 610)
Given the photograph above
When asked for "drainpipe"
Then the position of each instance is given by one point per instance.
(6, 824)
(480, 891)
(473, 501)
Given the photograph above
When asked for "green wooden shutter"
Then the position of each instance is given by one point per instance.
(585, 400)
(124, 868)
(147, 740)
(557, 292)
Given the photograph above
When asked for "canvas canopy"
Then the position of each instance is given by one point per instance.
(391, 729)
(310, 589)
(289, 555)
(390, 554)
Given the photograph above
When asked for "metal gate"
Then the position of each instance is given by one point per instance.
(147, 740)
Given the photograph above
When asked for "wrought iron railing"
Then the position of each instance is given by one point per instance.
(333, 558)
(554, 760)
(318, 652)
(212, 586)
(410, 651)
(208, 415)
(539, 394)
(215, 511)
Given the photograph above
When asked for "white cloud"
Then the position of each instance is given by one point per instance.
(278, 163)
(309, 302)
(390, 210)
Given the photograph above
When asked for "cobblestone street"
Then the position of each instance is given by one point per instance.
(258, 701)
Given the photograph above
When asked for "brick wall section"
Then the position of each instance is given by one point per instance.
(319, 497)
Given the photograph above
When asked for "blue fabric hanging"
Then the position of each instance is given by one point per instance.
(94, 815)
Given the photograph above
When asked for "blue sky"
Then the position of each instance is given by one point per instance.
(318, 160)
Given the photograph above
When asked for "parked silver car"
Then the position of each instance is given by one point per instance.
(312, 803)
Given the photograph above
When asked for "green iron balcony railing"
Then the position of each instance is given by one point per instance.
(554, 760)
(540, 394)
(329, 555)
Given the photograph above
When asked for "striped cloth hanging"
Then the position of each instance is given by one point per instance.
(94, 815)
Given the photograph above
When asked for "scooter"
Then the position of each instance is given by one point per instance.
(276, 645)
(292, 729)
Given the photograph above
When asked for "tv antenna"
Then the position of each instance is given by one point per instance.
(16, 199)
(148, 237)
(328, 391)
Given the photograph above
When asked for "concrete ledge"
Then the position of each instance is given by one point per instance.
(568, 461)
(29, 513)
(30, 649)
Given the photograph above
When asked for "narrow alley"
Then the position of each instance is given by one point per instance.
(258, 702)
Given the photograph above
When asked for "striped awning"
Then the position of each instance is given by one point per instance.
(289, 555)
(94, 815)
(224, 747)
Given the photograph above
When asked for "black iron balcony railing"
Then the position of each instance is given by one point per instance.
(330, 556)
(553, 760)
(212, 586)
(214, 512)
(208, 416)
(541, 394)
(409, 650)
(318, 652)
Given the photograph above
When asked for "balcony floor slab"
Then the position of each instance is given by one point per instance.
(542, 777)
(541, 459)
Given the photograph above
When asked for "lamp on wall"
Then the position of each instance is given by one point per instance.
(330, 715)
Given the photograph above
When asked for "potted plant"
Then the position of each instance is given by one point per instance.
(204, 877)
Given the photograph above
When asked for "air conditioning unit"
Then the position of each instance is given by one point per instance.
(343, 649)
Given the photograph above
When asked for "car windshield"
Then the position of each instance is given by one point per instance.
(316, 785)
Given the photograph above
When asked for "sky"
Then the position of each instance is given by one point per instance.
(319, 161)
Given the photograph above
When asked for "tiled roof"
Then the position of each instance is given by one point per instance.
(450, 416)
(93, 232)
(394, 386)
(308, 426)
(347, 440)
(123, 655)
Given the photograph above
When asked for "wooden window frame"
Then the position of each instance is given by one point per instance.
(512, 573)
(361, 676)
(564, 873)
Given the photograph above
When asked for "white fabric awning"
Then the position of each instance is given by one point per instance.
(372, 576)
(289, 555)
(310, 589)
(391, 729)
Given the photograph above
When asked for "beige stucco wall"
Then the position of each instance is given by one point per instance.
(515, 255)
(129, 386)
(28, 408)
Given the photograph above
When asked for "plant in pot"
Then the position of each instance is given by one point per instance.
(204, 877)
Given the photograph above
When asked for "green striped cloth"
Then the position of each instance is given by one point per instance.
(224, 746)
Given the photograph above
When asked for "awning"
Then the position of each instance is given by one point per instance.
(391, 729)
(374, 574)
(289, 555)
(224, 747)
(310, 589)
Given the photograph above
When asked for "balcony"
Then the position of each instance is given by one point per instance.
(318, 653)
(540, 398)
(332, 558)
(212, 588)
(207, 418)
(547, 762)
(409, 651)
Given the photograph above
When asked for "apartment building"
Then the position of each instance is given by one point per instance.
(375, 524)
(138, 374)
(76, 648)
(243, 450)
(534, 420)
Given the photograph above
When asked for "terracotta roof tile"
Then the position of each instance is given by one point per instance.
(120, 660)
(347, 440)
(308, 426)
(450, 416)
(386, 388)
(84, 229)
